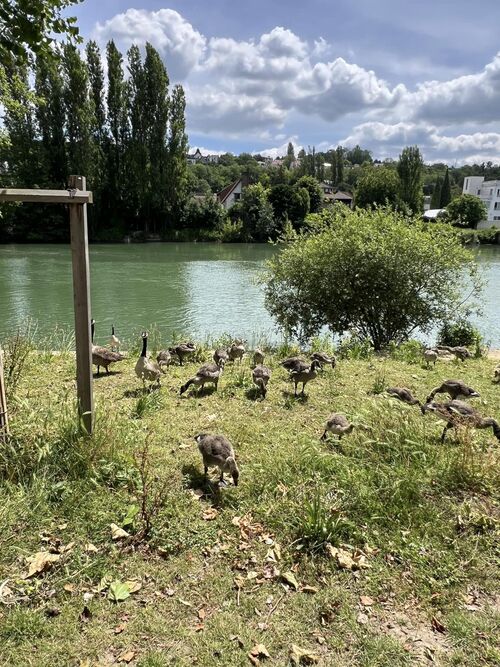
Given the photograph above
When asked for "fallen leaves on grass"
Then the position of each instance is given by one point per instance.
(118, 591)
(118, 533)
(366, 600)
(348, 560)
(209, 514)
(126, 656)
(120, 628)
(290, 579)
(301, 656)
(40, 563)
(437, 626)
(362, 618)
(90, 548)
(257, 653)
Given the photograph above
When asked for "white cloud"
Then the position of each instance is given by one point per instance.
(256, 88)
(280, 151)
(178, 42)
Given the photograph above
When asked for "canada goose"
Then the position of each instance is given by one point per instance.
(461, 352)
(403, 394)
(455, 388)
(208, 373)
(261, 375)
(323, 358)
(182, 350)
(114, 341)
(220, 355)
(430, 356)
(294, 364)
(216, 450)
(337, 424)
(145, 369)
(457, 412)
(258, 357)
(101, 356)
(496, 374)
(163, 358)
(236, 351)
(305, 376)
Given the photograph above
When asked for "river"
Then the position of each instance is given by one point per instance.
(199, 289)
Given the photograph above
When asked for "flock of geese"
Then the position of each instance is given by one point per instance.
(217, 450)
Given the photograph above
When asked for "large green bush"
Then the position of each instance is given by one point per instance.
(373, 271)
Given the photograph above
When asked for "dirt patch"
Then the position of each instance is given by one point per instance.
(494, 355)
(420, 638)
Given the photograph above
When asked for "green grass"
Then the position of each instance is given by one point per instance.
(425, 515)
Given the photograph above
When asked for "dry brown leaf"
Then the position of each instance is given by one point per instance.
(202, 614)
(120, 628)
(133, 585)
(290, 579)
(366, 600)
(260, 651)
(41, 562)
(118, 533)
(437, 626)
(209, 514)
(300, 656)
(362, 618)
(65, 548)
(70, 588)
(255, 661)
(126, 656)
(62, 526)
(91, 548)
(236, 520)
(309, 589)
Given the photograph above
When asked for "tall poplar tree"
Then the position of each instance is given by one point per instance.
(137, 150)
(340, 165)
(436, 194)
(445, 190)
(177, 173)
(410, 170)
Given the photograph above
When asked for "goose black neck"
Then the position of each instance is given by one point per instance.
(144, 346)
(112, 329)
(92, 329)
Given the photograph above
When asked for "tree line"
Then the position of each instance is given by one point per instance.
(124, 130)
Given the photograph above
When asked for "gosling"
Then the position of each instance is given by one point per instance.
(220, 355)
(305, 376)
(294, 364)
(337, 424)
(496, 374)
(455, 389)
(164, 358)
(324, 358)
(236, 351)
(207, 374)
(430, 356)
(403, 394)
(182, 351)
(456, 413)
(258, 357)
(217, 451)
(261, 376)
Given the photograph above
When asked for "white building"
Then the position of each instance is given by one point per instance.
(489, 193)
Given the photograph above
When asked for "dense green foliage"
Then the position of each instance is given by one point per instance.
(410, 170)
(459, 332)
(373, 271)
(446, 190)
(27, 26)
(126, 135)
(378, 186)
(466, 211)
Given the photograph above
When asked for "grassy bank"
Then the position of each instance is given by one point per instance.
(223, 570)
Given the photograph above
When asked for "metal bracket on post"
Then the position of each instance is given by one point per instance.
(81, 296)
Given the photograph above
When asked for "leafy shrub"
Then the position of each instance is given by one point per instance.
(461, 332)
(353, 346)
(16, 352)
(409, 352)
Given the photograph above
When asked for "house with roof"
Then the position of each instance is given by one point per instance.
(232, 193)
(489, 193)
(198, 158)
(331, 195)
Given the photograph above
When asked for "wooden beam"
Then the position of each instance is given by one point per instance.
(4, 421)
(70, 196)
(81, 296)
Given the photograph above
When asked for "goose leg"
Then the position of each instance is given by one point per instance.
(323, 437)
(107, 370)
(206, 473)
(443, 435)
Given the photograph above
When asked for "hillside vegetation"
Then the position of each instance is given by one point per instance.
(380, 549)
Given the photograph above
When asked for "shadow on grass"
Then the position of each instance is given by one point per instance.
(289, 396)
(98, 376)
(199, 393)
(213, 492)
(254, 394)
(140, 391)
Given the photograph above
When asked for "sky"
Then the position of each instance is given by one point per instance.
(380, 73)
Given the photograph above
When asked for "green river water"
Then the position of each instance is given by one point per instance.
(200, 289)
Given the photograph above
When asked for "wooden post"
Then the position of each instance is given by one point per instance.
(81, 296)
(4, 421)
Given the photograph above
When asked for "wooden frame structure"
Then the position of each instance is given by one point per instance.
(77, 198)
